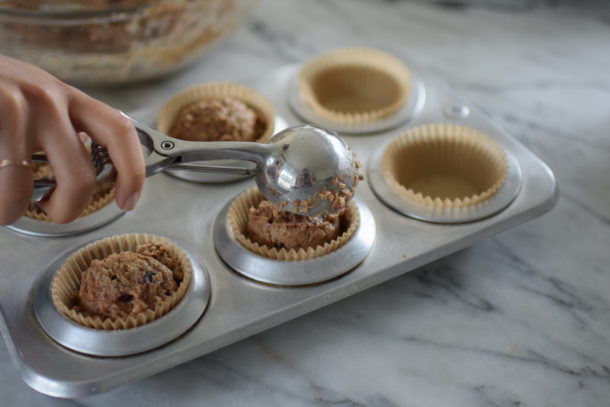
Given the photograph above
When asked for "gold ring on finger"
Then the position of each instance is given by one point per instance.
(14, 163)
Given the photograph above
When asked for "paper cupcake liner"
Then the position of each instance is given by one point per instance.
(237, 218)
(354, 85)
(100, 199)
(66, 283)
(171, 110)
(445, 165)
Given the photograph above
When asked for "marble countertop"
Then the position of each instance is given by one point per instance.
(520, 319)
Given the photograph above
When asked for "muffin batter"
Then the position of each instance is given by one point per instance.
(218, 119)
(125, 284)
(160, 253)
(269, 225)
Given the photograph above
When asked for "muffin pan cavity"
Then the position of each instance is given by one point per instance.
(171, 112)
(445, 173)
(237, 218)
(291, 267)
(69, 326)
(356, 90)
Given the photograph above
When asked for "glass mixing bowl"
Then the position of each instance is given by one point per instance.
(102, 42)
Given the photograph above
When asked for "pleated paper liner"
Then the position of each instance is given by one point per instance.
(445, 165)
(237, 218)
(101, 198)
(354, 85)
(171, 110)
(66, 283)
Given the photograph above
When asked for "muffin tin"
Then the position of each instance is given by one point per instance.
(386, 244)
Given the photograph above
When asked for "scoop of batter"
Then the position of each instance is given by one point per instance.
(218, 119)
(124, 284)
(269, 225)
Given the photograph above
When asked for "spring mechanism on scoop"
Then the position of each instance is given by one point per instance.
(99, 157)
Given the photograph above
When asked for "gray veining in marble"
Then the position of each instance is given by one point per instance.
(521, 319)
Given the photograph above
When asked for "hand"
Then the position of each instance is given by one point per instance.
(40, 113)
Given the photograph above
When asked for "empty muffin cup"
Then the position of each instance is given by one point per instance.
(445, 165)
(156, 254)
(219, 111)
(354, 86)
(237, 218)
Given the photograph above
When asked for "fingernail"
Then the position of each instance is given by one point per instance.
(131, 201)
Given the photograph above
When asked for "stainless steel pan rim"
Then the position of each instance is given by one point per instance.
(295, 273)
(392, 198)
(413, 106)
(120, 342)
(95, 220)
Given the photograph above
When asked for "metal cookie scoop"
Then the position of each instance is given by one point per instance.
(308, 169)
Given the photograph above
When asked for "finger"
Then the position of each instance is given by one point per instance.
(71, 164)
(114, 131)
(15, 180)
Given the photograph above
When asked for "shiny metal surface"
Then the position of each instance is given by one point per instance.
(295, 273)
(294, 167)
(239, 307)
(307, 161)
(457, 111)
(122, 342)
(219, 171)
(387, 194)
(410, 109)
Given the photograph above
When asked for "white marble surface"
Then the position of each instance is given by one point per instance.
(521, 319)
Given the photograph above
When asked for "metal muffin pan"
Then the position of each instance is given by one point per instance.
(239, 307)
(295, 273)
(127, 341)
